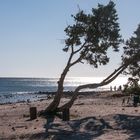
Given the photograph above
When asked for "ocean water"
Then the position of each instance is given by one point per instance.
(22, 89)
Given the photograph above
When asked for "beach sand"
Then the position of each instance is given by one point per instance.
(98, 116)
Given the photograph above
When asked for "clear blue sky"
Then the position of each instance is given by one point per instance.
(31, 33)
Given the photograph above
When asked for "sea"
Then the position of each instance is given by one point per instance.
(31, 89)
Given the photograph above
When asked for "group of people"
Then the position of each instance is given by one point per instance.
(115, 88)
(132, 99)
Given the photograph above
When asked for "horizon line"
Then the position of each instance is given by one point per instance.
(57, 77)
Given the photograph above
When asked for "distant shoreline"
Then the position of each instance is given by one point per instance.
(39, 96)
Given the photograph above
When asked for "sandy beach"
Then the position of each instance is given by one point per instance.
(98, 116)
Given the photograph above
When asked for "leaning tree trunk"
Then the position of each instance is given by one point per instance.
(76, 93)
(106, 81)
(54, 104)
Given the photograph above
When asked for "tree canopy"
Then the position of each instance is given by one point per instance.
(132, 53)
(92, 34)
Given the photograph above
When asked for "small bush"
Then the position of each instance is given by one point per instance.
(132, 90)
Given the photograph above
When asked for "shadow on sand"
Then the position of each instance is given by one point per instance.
(129, 123)
(90, 128)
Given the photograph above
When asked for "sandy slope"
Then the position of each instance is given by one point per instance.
(100, 117)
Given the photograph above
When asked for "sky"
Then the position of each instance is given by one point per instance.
(31, 33)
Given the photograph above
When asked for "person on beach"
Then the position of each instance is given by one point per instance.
(135, 100)
(114, 88)
(120, 88)
(128, 100)
(110, 88)
(123, 101)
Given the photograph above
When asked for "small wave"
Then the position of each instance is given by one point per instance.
(19, 93)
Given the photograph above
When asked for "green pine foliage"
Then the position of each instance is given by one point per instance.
(93, 34)
(132, 54)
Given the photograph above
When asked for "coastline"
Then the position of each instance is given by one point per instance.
(36, 96)
(23, 89)
(93, 116)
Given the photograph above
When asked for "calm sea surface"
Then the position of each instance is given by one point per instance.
(22, 89)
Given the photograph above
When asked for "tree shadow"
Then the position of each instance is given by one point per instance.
(129, 123)
(90, 127)
(81, 129)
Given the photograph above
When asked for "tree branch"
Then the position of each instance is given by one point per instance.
(113, 73)
(106, 81)
(80, 48)
(76, 61)
(71, 55)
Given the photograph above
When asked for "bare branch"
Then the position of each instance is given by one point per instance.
(80, 48)
(106, 81)
(112, 73)
(72, 50)
(109, 80)
(70, 58)
(76, 61)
